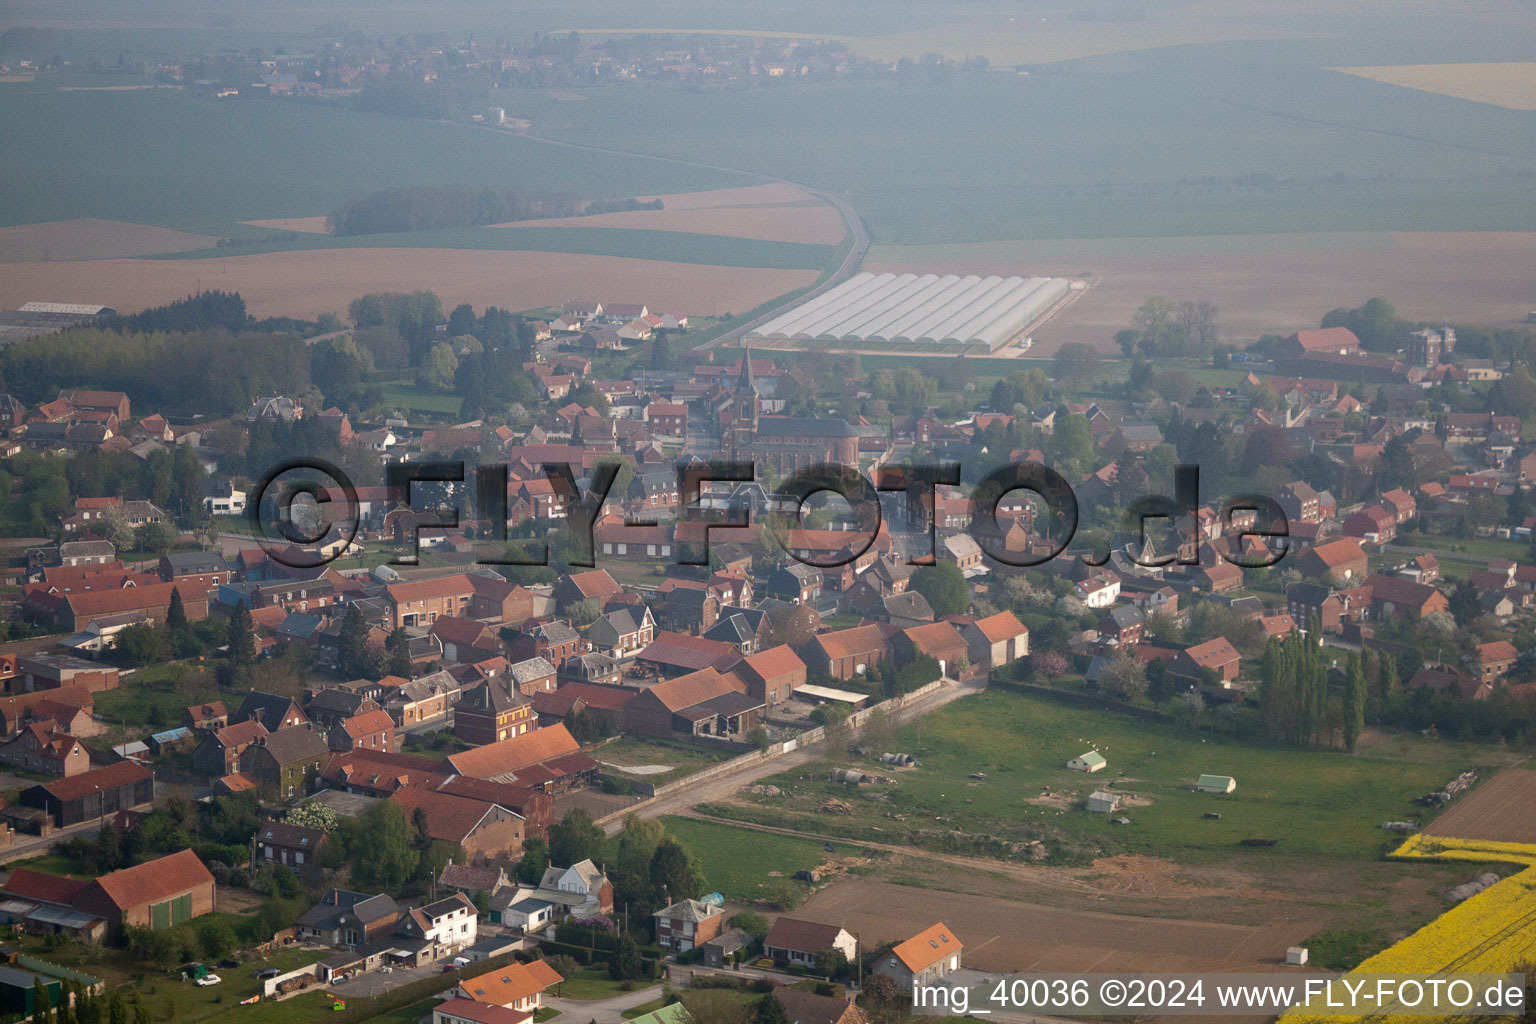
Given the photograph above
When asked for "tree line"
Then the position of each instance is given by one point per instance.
(424, 207)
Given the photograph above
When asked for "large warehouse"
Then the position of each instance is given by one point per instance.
(925, 309)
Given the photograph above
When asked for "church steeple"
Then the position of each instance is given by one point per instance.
(744, 427)
(744, 383)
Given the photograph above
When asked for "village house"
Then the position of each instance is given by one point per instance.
(996, 640)
(687, 924)
(923, 959)
(800, 943)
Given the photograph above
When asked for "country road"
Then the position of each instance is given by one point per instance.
(857, 231)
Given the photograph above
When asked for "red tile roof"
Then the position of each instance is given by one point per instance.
(846, 643)
(507, 756)
(1002, 626)
(775, 662)
(154, 880)
(27, 884)
(927, 947)
(124, 773)
(421, 590)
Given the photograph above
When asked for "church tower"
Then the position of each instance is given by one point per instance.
(744, 418)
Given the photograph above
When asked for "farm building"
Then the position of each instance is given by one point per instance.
(926, 309)
(1093, 761)
(1101, 802)
(1216, 784)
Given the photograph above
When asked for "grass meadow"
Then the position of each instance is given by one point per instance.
(1318, 806)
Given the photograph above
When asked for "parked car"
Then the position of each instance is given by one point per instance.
(207, 980)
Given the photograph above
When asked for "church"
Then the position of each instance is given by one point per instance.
(784, 444)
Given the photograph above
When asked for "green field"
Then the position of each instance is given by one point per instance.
(643, 244)
(1239, 138)
(406, 395)
(184, 161)
(1207, 140)
(748, 866)
(1317, 805)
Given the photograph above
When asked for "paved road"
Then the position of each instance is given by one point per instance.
(851, 219)
(602, 1011)
(725, 785)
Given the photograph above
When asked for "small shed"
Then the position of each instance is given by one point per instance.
(1296, 956)
(1102, 802)
(1216, 784)
(1090, 762)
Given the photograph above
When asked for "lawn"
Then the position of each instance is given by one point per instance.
(632, 752)
(746, 866)
(410, 397)
(592, 982)
(1317, 805)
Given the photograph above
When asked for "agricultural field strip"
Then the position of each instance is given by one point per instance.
(1487, 933)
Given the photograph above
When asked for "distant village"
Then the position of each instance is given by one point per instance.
(348, 66)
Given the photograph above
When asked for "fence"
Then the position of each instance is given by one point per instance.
(807, 738)
(270, 986)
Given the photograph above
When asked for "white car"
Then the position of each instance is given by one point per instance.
(207, 980)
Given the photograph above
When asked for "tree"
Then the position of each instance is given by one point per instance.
(534, 860)
(944, 587)
(242, 641)
(156, 537)
(117, 1008)
(626, 964)
(313, 815)
(215, 939)
(769, 1011)
(387, 858)
(351, 642)
(397, 651)
(832, 963)
(42, 1002)
(1071, 444)
(673, 874)
(1075, 362)
(437, 370)
(575, 838)
(176, 612)
(1354, 703)
(1123, 677)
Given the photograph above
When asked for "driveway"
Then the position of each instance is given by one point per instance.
(600, 1011)
(377, 983)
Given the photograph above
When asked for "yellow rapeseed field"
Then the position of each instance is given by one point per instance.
(1489, 933)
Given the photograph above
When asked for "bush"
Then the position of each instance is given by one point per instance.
(617, 787)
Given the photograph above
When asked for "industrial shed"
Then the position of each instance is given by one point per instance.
(922, 309)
